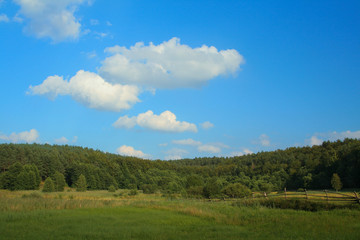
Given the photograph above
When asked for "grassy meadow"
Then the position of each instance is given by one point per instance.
(106, 215)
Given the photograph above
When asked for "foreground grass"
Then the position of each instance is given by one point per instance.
(101, 215)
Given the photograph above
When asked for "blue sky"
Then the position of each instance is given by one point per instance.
(179, 79)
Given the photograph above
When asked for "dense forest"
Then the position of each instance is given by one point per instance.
(293, 168)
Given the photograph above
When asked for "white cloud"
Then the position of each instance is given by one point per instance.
(130, 151)
(247, 151)
(173, 157)
(165, 122)
(27, 137)
(52, 19)
(75, 139)
(315, 141)
(188, 141)
(163, 144)
(236, 154)
(342, 135)
(175, 154)
(62, 140)
(207, 125)
(318, 138)
(4, 18)
(90, 90)
(209, 148)
(264, 140)
(239, 153)
(169, 64)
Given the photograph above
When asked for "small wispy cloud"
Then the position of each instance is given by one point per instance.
(207, 125)
(4, 18)
(62, 140)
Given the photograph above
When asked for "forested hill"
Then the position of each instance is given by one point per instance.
(301, 167)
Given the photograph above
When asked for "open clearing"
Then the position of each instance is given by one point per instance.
(104, 215)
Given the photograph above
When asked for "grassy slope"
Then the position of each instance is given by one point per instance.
(99, 215)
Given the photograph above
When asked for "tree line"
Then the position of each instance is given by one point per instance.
(24, 166)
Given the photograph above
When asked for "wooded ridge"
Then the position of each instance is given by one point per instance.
(293, 168)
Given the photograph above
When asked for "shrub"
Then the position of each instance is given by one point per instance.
(196, 191)
(149, 188)
(236, 190)
(48, 185)
(133, 192)
(111, 188)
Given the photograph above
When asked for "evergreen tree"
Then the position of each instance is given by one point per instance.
(81, 184)
(336, 182)
(10, 177)
(59, 181)
(49, 185)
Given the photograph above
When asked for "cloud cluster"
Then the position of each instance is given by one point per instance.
(168, 65)
(90, 90)
(130, 151)
(319, 138)
(27, 137)
(209, 148)
(52, 19)
(165, 122)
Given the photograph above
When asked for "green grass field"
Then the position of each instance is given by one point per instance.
(103, 215)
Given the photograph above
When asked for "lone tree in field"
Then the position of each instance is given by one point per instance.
(81, 184)
(336, 182)
(59, 181)
(48, 185)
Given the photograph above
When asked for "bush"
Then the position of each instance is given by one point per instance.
(196, 191)
(236, 190)
(149, 188)
(48, 185)
(111, 188)
(133, 192)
